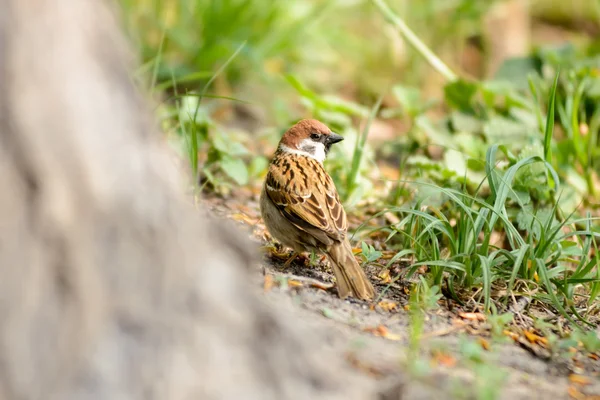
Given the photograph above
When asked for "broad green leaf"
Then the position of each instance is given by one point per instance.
(516, 70)
(235, 169)
(459, 94)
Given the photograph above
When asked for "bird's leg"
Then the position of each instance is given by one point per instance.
(292, 258)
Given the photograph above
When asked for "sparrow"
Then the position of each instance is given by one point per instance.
(301, 207)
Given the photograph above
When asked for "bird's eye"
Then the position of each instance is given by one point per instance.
(315, 136)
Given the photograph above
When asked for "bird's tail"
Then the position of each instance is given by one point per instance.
(350, 277)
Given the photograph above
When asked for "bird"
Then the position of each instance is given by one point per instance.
(301, 208)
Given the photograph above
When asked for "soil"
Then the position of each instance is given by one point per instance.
(374, 341)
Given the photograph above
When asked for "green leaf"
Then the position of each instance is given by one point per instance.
(505, 130)
(235, 169)
(369, 252)
(258, 165)
(538, 113)
(365, 248)
(300, 87)
(237, 149)
(338, 104)
(462, 122)
(590, 341)
(550, 122)
(516, 70)
(218, 141)
(455, 162)
(459, 94)
(550, 290)
(409, 98)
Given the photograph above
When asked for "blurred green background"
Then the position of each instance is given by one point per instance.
(257, 66)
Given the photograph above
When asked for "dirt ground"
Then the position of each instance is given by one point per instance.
(374, 341)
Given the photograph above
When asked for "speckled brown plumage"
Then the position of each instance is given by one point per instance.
(302, 209)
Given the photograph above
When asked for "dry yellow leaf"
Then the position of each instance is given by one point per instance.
(575, 394)
(322, 286)
(385, 276)
(294, 283)
(472, 316)
(444, 359)
(239, 217)
(579, 379)
(531, 337)
(388, 305)
(268, 284)
(382, 331)
(511, 335)
(484, 343)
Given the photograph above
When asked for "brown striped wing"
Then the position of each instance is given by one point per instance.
(304, 193)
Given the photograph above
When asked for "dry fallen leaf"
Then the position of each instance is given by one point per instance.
(532, 337)
(511, 335)
(536, 339)
(484, 343)
(444, 359)
(382, 331)
(294, 283)
(574, 393)
(239, 217)
(284, 255)
(268, 285)
(387, 254)
(322, 286)
(388, 305)
(579, 379)
(354, 361)
(385, 276)
(471, 316)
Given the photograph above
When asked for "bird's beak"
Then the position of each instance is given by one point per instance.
(334, 138)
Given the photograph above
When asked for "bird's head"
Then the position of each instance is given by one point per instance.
(310, 138)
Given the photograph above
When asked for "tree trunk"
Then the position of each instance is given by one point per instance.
(111, 285)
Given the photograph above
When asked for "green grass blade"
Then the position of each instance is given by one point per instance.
(487, 282)
(516, 267)
(359, 149)
(398, 255)
(538, 112)
(543, 273)
(550, 121)
(217, 73)
(578, 141)
(157, 61)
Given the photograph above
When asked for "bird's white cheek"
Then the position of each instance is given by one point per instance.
(313, 149)
(320, 153)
